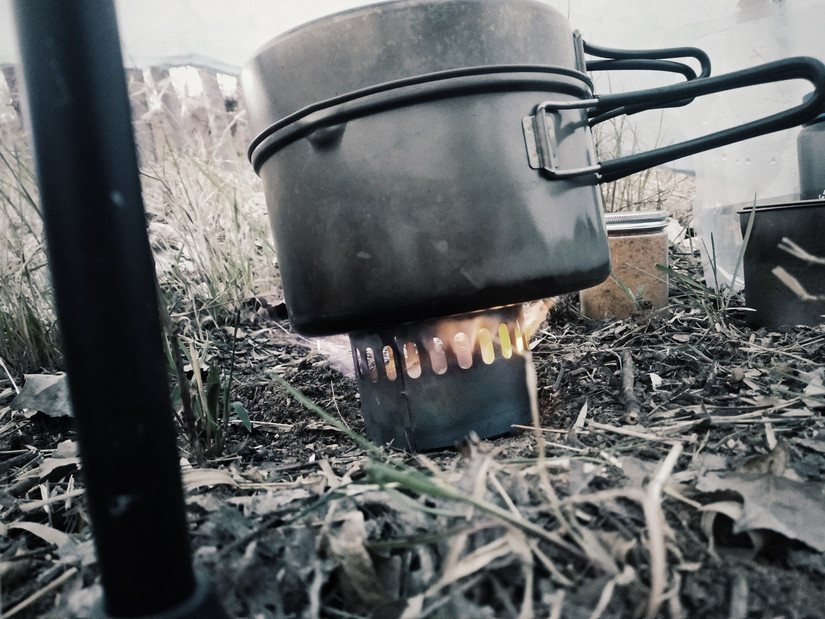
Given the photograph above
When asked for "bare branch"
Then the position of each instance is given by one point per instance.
(796, 287)
(797, 252)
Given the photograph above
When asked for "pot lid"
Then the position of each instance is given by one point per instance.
(635, 220)
(381, 43)
(817, 203)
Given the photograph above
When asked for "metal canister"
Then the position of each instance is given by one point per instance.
(638, 243)
(810, 146)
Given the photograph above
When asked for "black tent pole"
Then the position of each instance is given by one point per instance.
(105, 293)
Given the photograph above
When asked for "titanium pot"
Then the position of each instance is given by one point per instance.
(428, 158)
(780, 237)
(810, 148)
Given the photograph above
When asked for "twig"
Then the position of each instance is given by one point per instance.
(796, 251)
(631, 404)
(594, 425)
(28, 507)
(795, 285)
(38, 594)
(11, 378)
(624, 578)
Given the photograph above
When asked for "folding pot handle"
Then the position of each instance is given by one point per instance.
(541, 126)
(650, 59)
(610, 59)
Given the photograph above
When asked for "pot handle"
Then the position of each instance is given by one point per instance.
(653, 59)
(542, 143)
(611, 59)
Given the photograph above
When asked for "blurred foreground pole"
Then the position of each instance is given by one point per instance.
(79, 115)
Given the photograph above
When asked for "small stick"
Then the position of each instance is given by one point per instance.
(795, 285)
(796, 251)
(594, 425)
(11, 378)
(29, 507)
(631, 404)
(38, 594)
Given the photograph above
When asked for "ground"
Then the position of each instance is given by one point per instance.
(679, 471)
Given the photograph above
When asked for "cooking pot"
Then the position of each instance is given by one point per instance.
(810, 148)
(424, 158)
(790, 236)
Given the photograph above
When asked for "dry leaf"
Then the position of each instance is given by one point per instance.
(794, 509)
(773, 462)
(63, 466)
(43, 531)
(347, 546)
(812, 444)
(47, 393)
(195, 478)
(732, 510)
(815, 387)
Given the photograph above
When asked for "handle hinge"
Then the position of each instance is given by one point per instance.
(540, 138)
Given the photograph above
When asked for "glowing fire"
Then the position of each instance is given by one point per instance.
(464, 340)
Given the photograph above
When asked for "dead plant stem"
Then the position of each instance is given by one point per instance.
(11, 378)
(655, 518)
(631, 403)
(41, 592)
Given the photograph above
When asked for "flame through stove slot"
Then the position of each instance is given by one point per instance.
(426, 385)
(436, 347)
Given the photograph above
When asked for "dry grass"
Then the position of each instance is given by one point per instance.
(206, 219)
(592, 512)
(28, 333)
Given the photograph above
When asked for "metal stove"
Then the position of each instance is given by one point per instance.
(427, 385)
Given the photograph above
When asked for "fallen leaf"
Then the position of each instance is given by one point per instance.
(46, 393)
(815, 380)
(347, 545)
(812, 444)
(815, 389)
(195, 478)
(582, 416)
(795, 509)
(65, 449)
(57, 468)
(43, 531)
(731, 511)
(773, 462)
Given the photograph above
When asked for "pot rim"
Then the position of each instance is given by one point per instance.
(413, 90)
(781, 206)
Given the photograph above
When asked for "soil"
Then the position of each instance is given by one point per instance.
(645, 423)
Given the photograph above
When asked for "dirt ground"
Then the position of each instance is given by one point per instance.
(679, 472)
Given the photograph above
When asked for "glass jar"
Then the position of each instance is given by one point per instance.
(638, 242)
